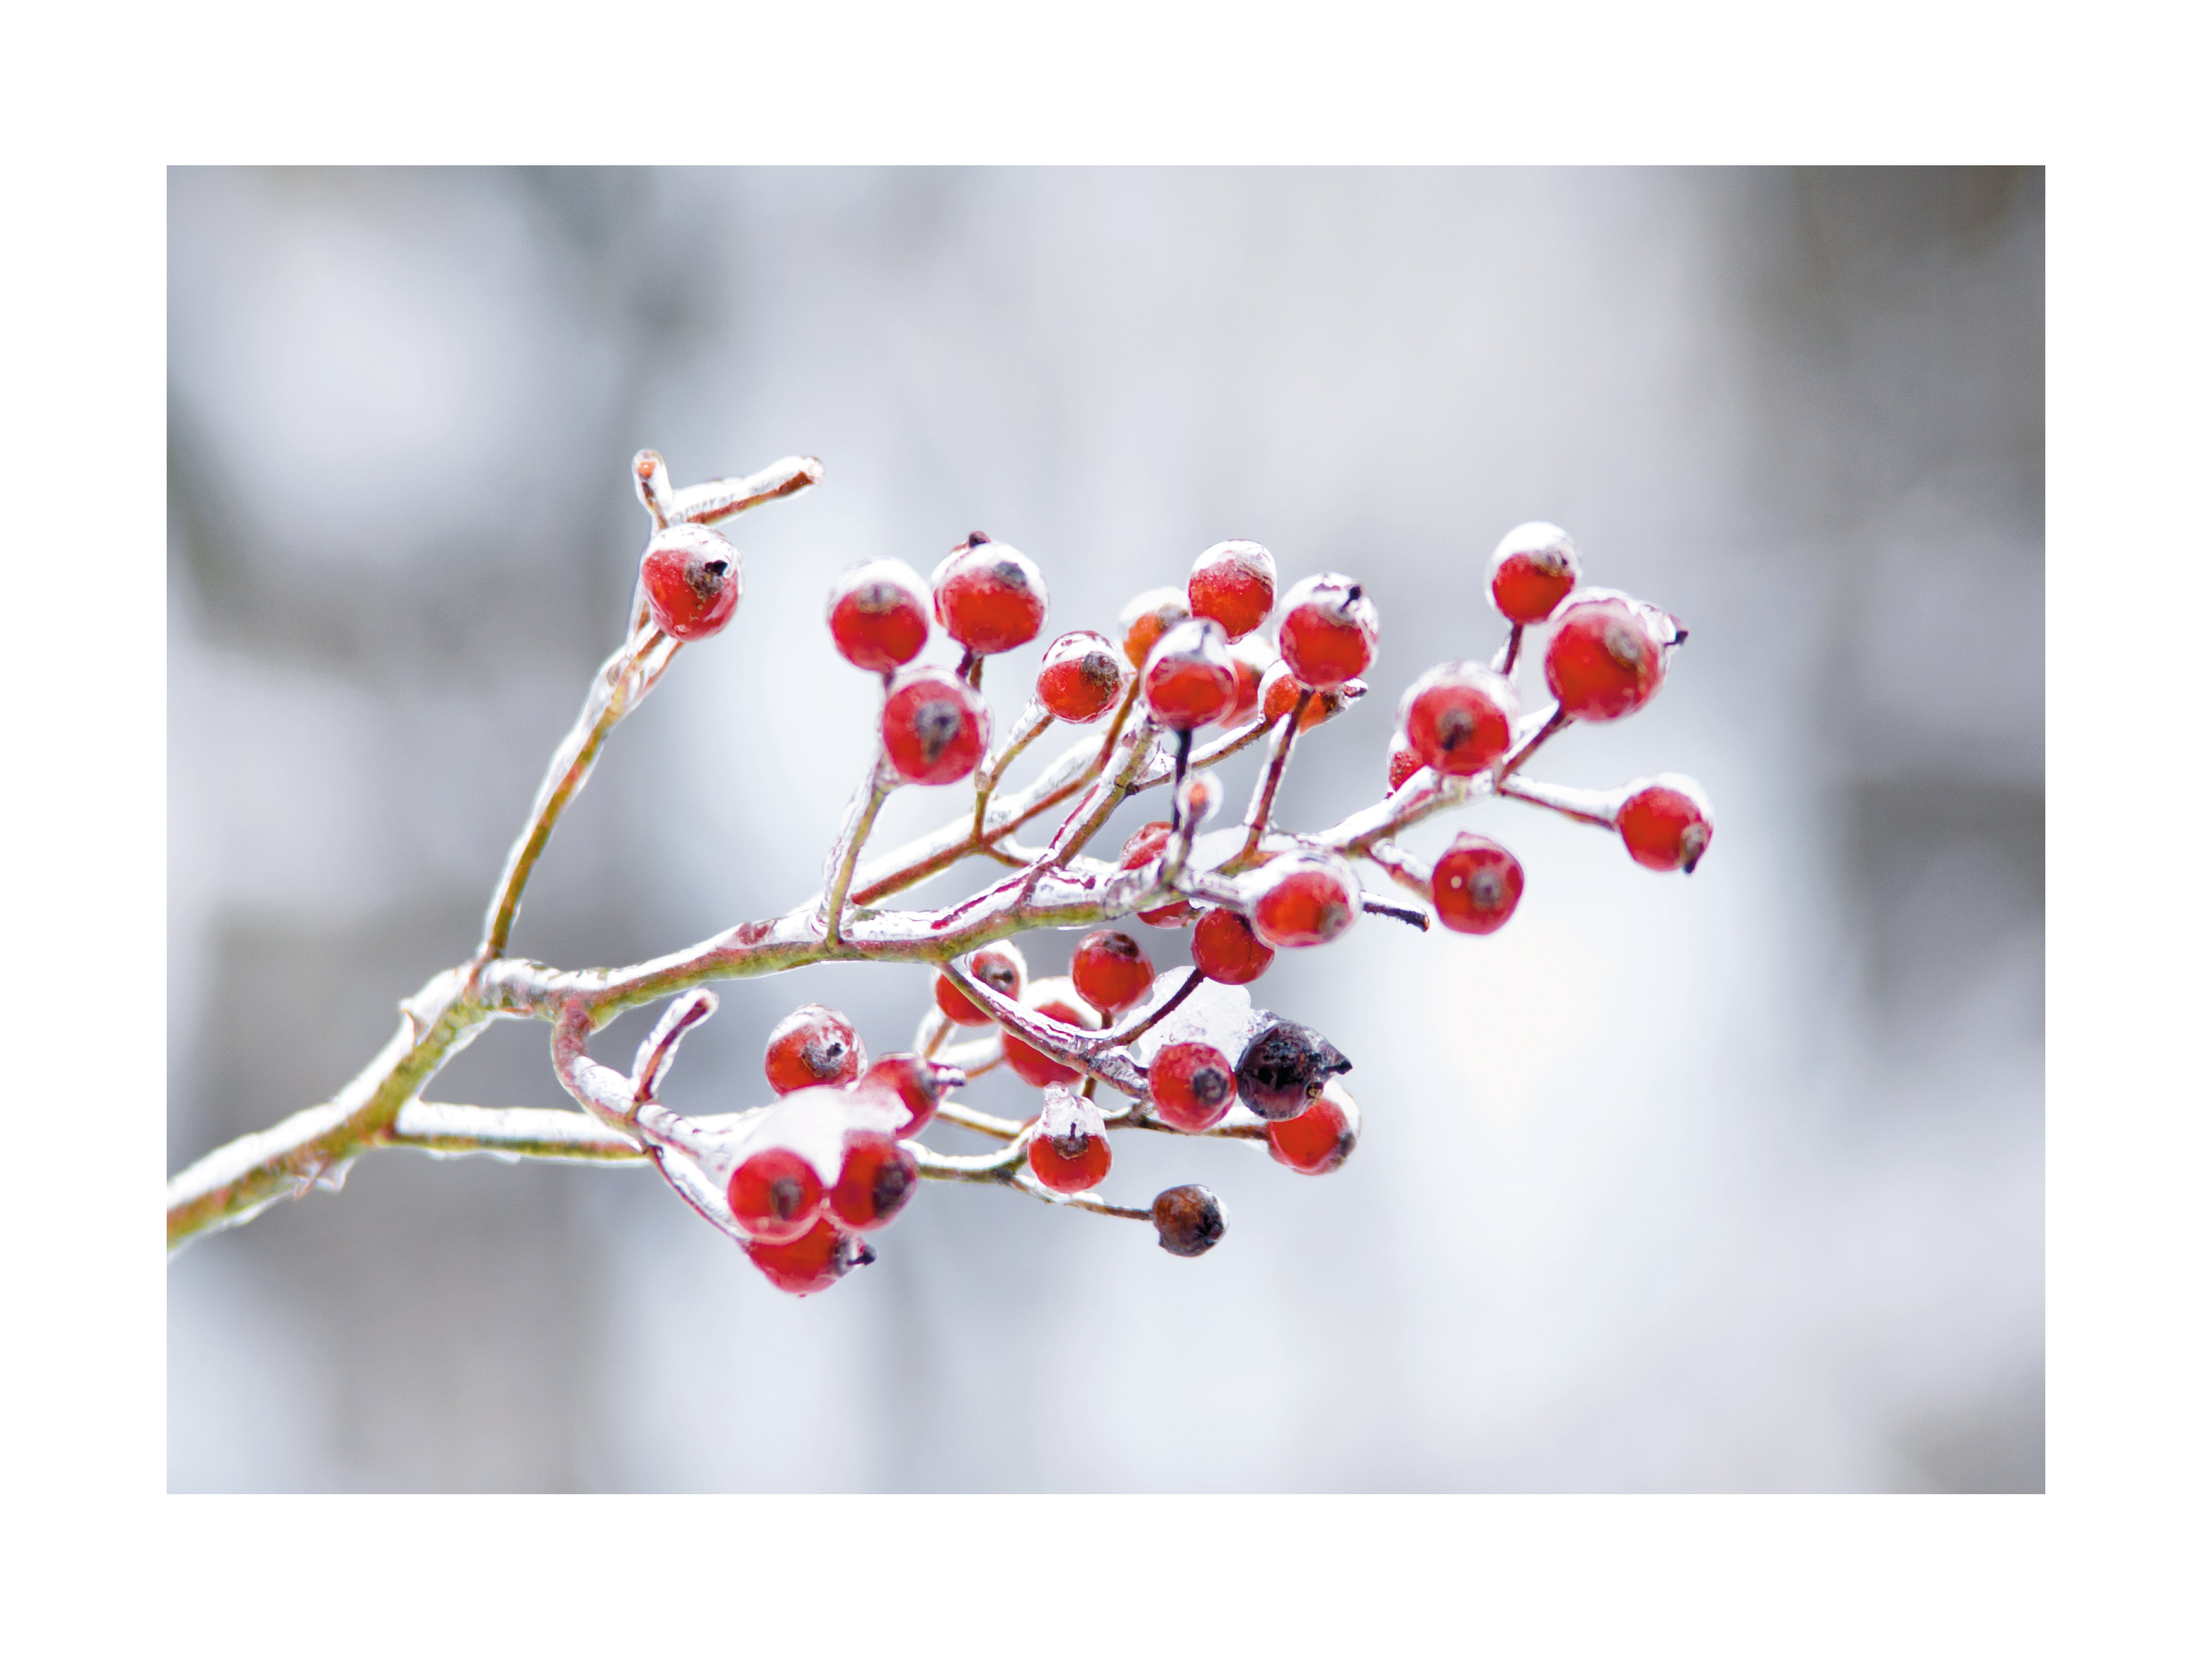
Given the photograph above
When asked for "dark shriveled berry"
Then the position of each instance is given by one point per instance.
(1188, 1220)
(1285, 1069)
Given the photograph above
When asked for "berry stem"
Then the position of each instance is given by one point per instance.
(1031, 724)
(723, 498)
(532, 1132)
(1262, 809)
(1376, 907)
(1554, 724)
(982, 1123)
(845, 854)
(1510, 653)
(1123, 1034)
(1592, 806)
(1410, 872)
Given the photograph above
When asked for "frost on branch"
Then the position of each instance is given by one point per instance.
(829, 1150)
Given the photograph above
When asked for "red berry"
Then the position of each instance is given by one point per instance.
(1234, 583)
(1533, 568)
(1285, 1069)
(1055, 999)
(1303, 898)
(812, 1046)
(989, 596)
(775, 1194)
(878, 1178)
(1459, 718)
(935, 728)
(1081, 677)
(1069, 1151)
(879, 615)
(1404, 762)
(1319, 1139)
(1141, 848)
(1189, 678)
(1148, 616)
(1253, 657)
(917, 1084)
(1666, 824)
(1223, 947)
(1001, 966)
(1188, 1220)
(692, 579)
(1193, 1085)
(1608, 657)
(812, 1263)
(1111, 971)
(1279, 695)
(1476, 885)
(1329, 630)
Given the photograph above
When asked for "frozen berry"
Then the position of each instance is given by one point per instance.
(1234, 583)
(1189, 679)
(1329, 630)
(1055, 999)
(1253, 657)
(1081, 677)
(1148, 616)
(1188, 1220)
(917, 1084)
(1405, 760)
(1279, 695)
(815, 1261)
(1193, 1085)
(1476, 885)
(692, 581)
(1607, 657)
(1070, 1152)
(878, 1178)
(1533, 568)
(1320, 1138)
(1459, 718)
(1666, 822)
(1283, 1069)
(1143, 846)
(1111, 971)
(1223, 947)
(1303, 898)
(1001, 966)
(989, 596)
(812, 1046)
(935, 729)
(879, 615)
(775, 1194)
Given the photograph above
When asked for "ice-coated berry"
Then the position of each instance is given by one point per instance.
(879, 615)
(1000, 966)
(1055, 999)
(1666, 822)
(1607, 656)
(935, 729)
(878, 1178)
(1144, 844)
(1459, 718)
(1111, 971)
(1329, 630)
(1188, 1220)
(814, 1262)
(1303, 898)
(989, 596)
(812, 1047)
(1533, 568)
(1148, 616)
(774, 1194)
(1234, 583)
(1404, 762)
(1476, 885)
(1279, 695)
(1253, 655)
(1285, 1069)
(916, 1084)
(1192, 1084)
(1069, 1151)
(692, 581)
(1190, 680)
(1319, 1139)
(1081, 677)
(1223, 947)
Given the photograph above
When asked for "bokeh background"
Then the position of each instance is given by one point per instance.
(1731, 1182)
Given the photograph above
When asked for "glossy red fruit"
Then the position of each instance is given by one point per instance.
(1283, 1069)
(1190, 680)
(1234, 583)
(878, 1178)
(879, 615)
(1253, 656)
(692, 581)
(935, 728)
(1476, 886)
(774, 1194)
(1279, 695)
(1081, 677)
(1319, 1139)
(1223, 947)
(1192, 1084)
(1148, 616)
(812, 1262)
(1459, 718)
(918, 1084)
(1533, 568)
(1111, 971)
(812, 1047)
(1329, 630)
(1607, 656)
(1143, 846)
(1666, 824)
(1001, 966)
(1302, 899)
(989, 596)
(1069, 1151)
(1057, 1000)
(1188, 1220)
(1404, 762)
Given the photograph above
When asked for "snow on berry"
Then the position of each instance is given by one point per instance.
(990, 596)
(692, 579)
(1234, 583)
(878, 616)
(1533, 568)
(1329, 630)
(1070, 1152)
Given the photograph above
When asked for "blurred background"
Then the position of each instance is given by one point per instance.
(1731, 1182)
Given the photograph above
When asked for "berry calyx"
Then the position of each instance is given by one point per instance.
(1188, 1220)
(1000, 966)
(989, 596)
(813, 1047)
(1055, 999)
(692, 579)
(1148, 616)
(776, 1195)
(935, 728)
(1144, 844)
(1190, 680)
(1533, 568)
(879, 615)
(1192, 1086)
(814, 1262)
(1476, 885)
(1285, 1069)
(1459, 718)
(916, 1084)
(1279, 695)
(1329, 630)
(1111, 971)
(1405, 760)
(1223, 947)
(1081, 677)
(1233, 583)
(878, 1178)
(1070, 1153)
(1319, 1139)
(1606, 657)
(1303, 898)
(1666, 824)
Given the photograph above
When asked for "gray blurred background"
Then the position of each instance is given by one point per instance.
(1733, 1182)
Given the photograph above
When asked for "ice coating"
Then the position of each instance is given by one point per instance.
(1068, 1114)
(812, 1123)
(1221, 1015)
